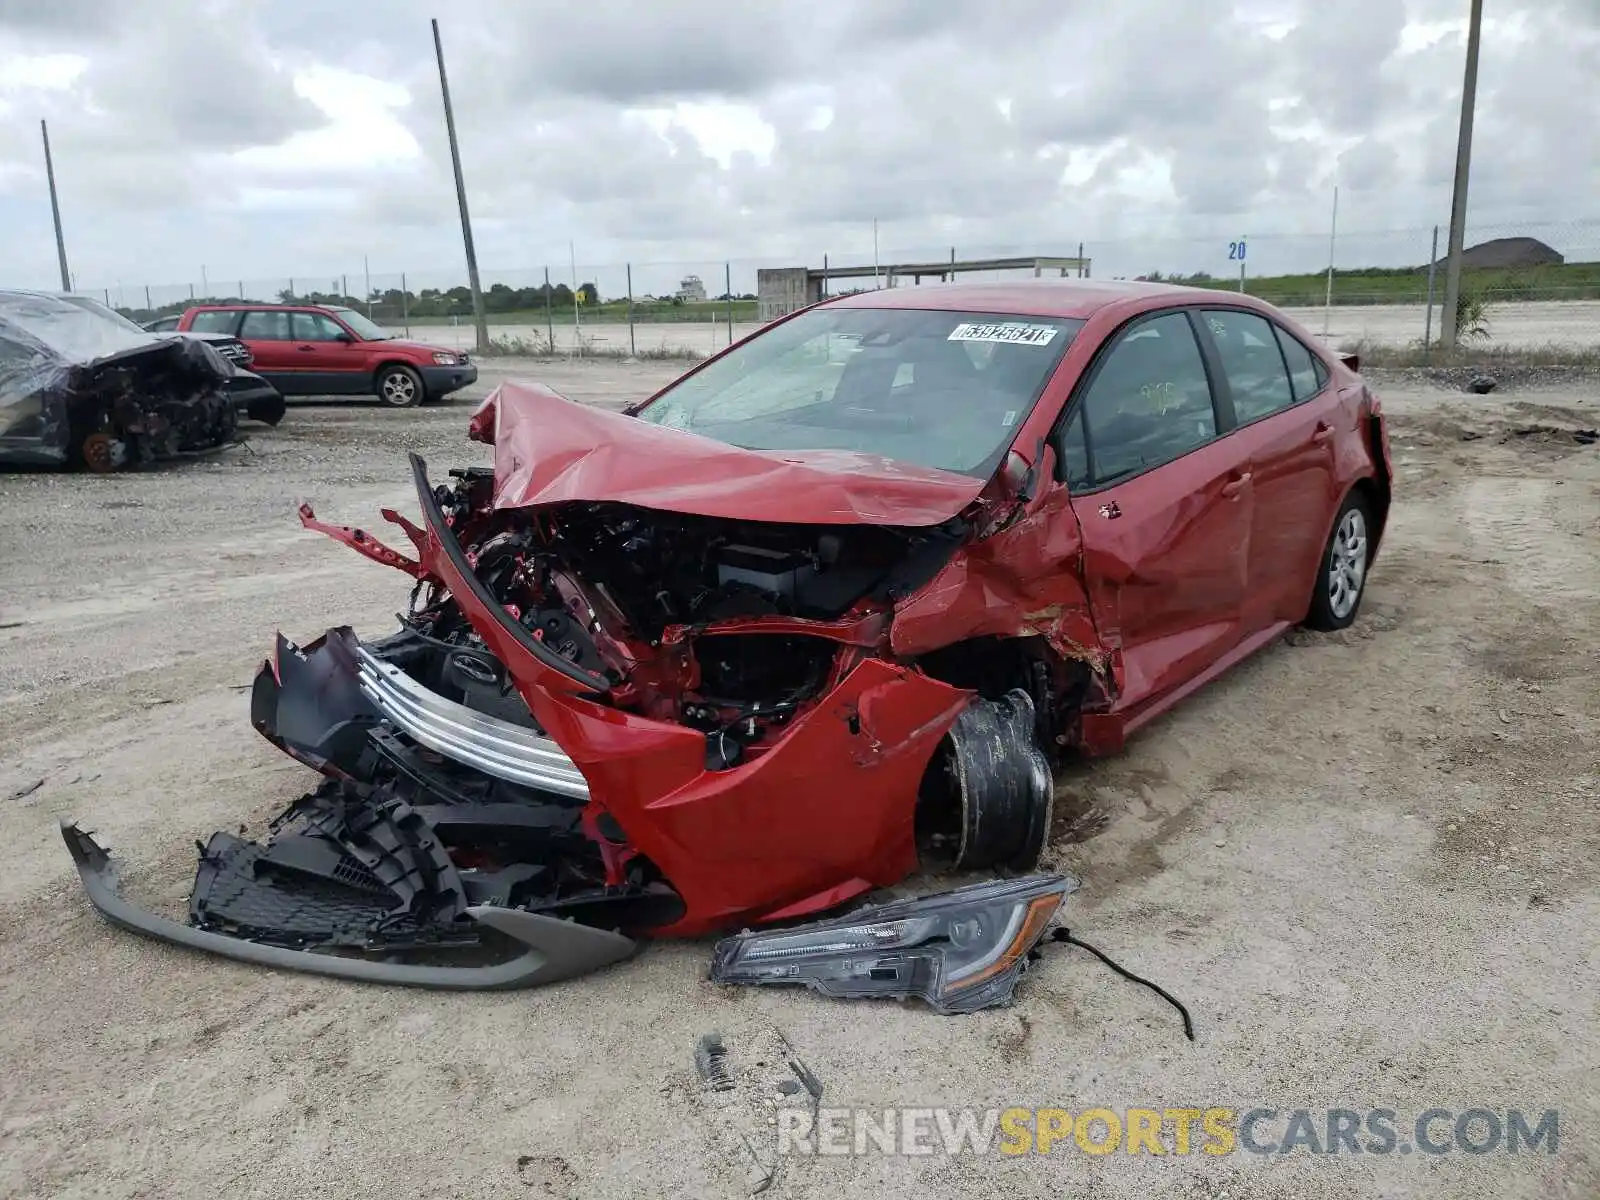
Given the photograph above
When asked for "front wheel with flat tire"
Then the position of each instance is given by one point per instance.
(1342, 577)
(399, 387)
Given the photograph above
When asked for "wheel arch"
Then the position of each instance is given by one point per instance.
(389, 364)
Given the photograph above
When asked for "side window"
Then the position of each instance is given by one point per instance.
(1252, 362)
(212, 322)
(1149, 402)
(265, 326)
(1075, 453)
(314, 327)
(1306, 371)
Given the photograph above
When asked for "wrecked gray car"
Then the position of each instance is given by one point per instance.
(78, 389)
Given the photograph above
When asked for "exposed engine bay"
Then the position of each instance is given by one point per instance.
(687, 618)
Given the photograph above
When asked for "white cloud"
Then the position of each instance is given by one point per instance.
(239, 133)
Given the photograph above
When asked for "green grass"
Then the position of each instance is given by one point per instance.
(1409, 285)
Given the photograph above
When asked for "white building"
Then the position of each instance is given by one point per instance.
(691, 290)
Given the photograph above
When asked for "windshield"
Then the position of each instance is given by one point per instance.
(363, 328)
(78, 329)
(939, 389)
(100, 310)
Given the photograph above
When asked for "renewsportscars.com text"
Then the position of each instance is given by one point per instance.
(1166, 1131)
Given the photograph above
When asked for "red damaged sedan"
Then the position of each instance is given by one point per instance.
(831, 602)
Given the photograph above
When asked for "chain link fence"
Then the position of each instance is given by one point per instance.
(1529, 288)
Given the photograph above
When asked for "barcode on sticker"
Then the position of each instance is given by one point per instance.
(1011, 332)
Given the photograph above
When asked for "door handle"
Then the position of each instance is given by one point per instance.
(305, 347)
(1323, 432)
(1236, 485)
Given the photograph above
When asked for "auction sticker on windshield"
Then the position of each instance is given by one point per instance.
(1010, 332)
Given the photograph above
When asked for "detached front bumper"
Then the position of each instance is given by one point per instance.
(552, 949)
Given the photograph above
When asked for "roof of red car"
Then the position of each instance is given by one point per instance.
(1079, 298)
(227, 304)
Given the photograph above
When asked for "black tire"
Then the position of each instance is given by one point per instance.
(398, 386)
(1342, 572)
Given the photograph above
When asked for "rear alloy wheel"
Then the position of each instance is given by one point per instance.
(1342, 579)
(399, 387)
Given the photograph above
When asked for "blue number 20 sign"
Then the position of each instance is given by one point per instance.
(1236, 251)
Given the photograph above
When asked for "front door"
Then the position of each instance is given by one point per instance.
(1165, 506)
(330, 358)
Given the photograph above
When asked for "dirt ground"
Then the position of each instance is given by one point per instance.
(1367, 861)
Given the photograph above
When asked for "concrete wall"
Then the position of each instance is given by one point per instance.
(781, 290)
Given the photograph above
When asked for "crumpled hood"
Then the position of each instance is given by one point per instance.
(551, 450)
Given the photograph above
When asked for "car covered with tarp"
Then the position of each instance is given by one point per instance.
(78, 388)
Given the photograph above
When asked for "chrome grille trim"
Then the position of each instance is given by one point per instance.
(488, 744)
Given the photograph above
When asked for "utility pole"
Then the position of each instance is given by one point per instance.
(1458, 200)
(478, 318)
(55, 209)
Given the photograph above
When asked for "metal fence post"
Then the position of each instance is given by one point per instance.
(147, 306)
(577, 319)
(1427, 324)
(549, 315)
(633, 346)
(1333, 234)
(727, 284)
(405, 304)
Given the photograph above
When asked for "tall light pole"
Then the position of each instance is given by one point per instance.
(55, 209)
(478, 318)
(1458, 200)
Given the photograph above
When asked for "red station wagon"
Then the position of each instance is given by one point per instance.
(317, 350)
(828, 604)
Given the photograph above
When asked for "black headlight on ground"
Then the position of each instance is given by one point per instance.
(959, 951)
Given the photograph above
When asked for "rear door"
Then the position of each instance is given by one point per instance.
(331, 361)
(1164, 501)
(266, 332)
(1287, 414)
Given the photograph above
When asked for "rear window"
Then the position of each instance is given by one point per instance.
(938, 389)
(214, 322)
(265, 326)
(1304, 368)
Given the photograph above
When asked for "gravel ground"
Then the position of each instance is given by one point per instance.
(1367, 861)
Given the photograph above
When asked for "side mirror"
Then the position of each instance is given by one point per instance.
(346, 338)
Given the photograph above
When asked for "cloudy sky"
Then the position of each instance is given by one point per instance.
(262, 140)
